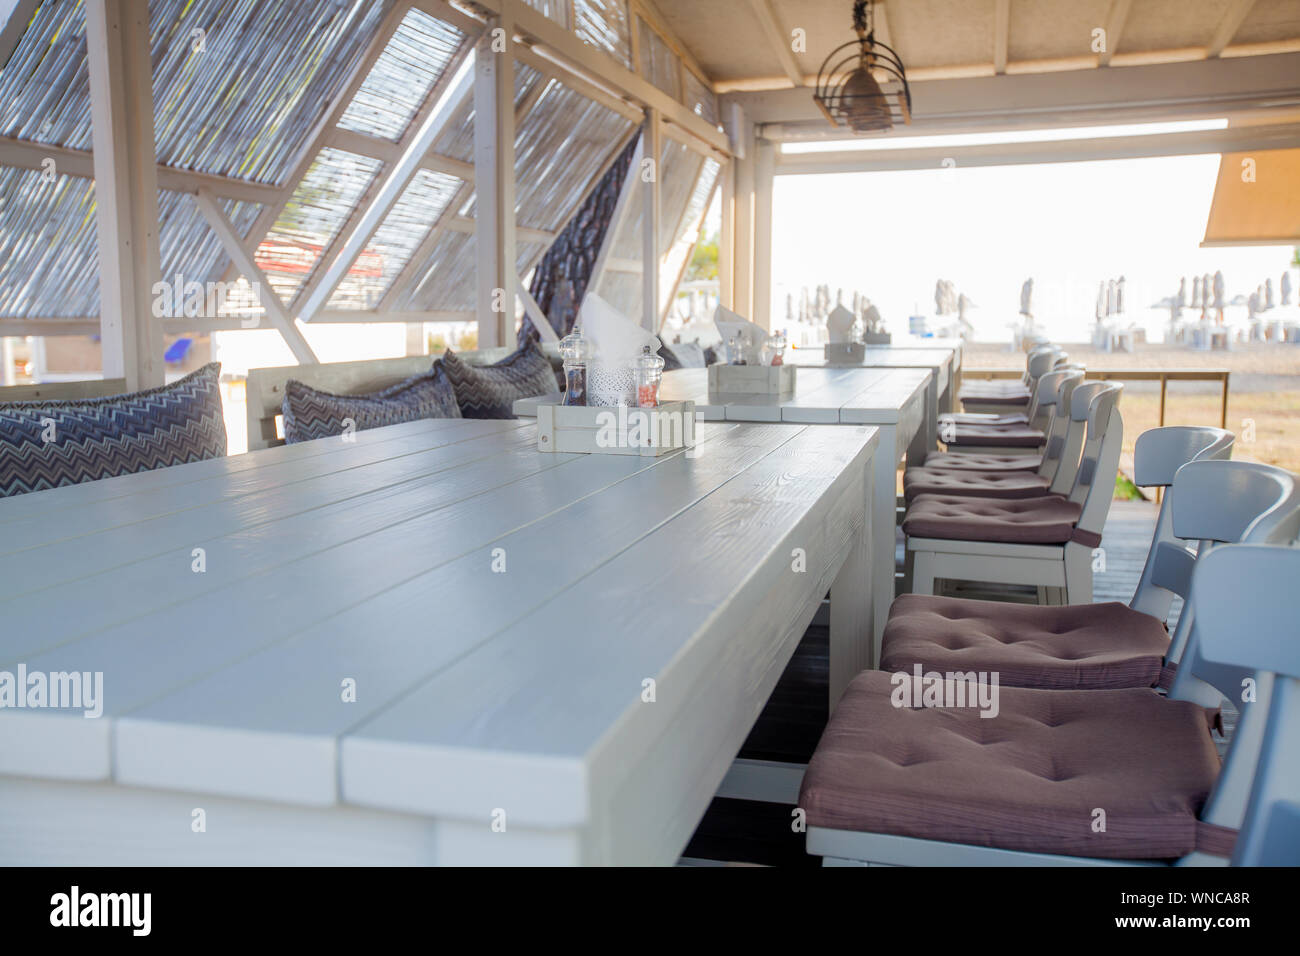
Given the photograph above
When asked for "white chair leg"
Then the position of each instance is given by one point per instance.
(1078, 574)
(922, 572)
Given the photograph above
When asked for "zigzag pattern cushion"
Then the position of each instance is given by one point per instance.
(50, 444)
(310, 413)
(489, 391)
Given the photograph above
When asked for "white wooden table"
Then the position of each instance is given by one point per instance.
(432, 644)
(943, 362)
(891, 399)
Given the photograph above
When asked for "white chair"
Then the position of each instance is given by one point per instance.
(1002, 434)
(1001, 396)
(1095, 777)
(1266, 639)
(942, 478)
(1047, 541)
(1110, 645)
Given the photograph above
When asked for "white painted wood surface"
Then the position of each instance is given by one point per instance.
(894, 400)
(476, 691)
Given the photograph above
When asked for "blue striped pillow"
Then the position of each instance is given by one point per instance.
(48, 444)
(310, 413)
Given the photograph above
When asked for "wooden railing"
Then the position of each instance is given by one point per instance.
(1163, 376)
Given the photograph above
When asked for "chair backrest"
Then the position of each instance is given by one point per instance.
(1043, 400)
(1157, 456)
(1093, 486)
(1246, 624)
(1058, 425)
(1224, 502)
(1039, 363)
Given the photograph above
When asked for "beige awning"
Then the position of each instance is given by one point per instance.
(1256, 199)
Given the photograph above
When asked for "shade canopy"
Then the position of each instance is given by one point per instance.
(1256, 202)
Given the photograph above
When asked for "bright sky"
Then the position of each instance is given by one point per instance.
(1068, 225)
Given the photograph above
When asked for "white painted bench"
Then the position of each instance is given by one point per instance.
(63, 391)
(265, 386)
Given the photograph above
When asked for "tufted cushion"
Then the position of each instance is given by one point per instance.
(310, 413)
(1076, 647)
(1028, 779)
(964, 418)
(97, 438)
(977, 461)
(995, 393)
(973, 484)
(1046, 520)
(490, 391)
(1000, 436)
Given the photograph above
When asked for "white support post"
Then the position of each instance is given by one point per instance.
(764, 177)
(494, 176)
(248, 267)
(651, 141)
(126, 189)
(742, 262)
(727, 235)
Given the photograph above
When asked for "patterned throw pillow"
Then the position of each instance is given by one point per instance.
(48, 444)
(489, 391)
(310, 413)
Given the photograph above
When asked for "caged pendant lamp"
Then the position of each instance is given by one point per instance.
(848, 90)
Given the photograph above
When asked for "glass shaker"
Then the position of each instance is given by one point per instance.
(774, 347)
(575, 351)
(649, 373)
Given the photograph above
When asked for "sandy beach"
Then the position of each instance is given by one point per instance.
(1263, 392)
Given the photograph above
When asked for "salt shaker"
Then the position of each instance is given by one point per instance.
(775, 349)
(649, 373)
(575, 352)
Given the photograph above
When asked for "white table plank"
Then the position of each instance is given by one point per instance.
(229, 682)
(385, 441)
(735, 546)
(388, 642)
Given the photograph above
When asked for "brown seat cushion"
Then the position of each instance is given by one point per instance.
(997, 388)
(971, 483)
(970, 418)
(978, 461)
(1046, 520)
(1029, 780)
(989, 436)
(1076, 647)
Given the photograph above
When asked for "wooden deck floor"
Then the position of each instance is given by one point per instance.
(738, 831)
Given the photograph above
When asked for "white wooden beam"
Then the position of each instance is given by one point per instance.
(764, 178)
(742, 262)
(562, 44)
(494, 176)
(534, 312)
(320, 133)
(24, 154)
(1001, 35)
(1229, 140)
(777, 39)
(15, 15)
(727, 234)
(126, 189)
(653, 141)
(1233, 16)
(365, 220)
(1115, 20)
(247, 265)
